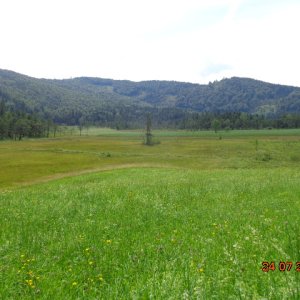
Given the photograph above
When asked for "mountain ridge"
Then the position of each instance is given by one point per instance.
(103, 100)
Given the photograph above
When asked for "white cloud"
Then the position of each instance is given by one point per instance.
(187, 40)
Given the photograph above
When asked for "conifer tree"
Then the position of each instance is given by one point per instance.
(148, 135)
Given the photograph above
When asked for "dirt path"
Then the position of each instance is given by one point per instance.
(94, 170)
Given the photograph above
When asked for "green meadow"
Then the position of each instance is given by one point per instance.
(101, 216)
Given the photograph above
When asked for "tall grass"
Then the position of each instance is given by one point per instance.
(152, 233)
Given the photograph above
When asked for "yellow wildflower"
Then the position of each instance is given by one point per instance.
(30, 283)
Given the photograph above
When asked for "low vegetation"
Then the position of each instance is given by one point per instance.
(152, 233)
(191, 218)
(34, 160)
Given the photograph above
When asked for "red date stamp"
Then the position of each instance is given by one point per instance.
(281, 266)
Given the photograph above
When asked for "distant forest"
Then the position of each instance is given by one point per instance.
(17, 124)
(32, 107)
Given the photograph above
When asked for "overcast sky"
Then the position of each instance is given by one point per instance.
(183, 40)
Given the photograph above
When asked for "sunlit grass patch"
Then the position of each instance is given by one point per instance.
(160, 233)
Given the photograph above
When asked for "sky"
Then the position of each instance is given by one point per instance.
(183, 40)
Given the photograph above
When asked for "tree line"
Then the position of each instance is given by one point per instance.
(173, 118)
(134, 117)
(238, 120)
(17, 124)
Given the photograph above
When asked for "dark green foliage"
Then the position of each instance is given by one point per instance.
(148, 135)
(216, 124)
(232, 103)
(16, 125)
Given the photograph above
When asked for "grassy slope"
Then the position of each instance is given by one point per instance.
(199, 230)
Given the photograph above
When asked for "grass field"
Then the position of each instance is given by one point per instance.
(32, 161)
(191, 218)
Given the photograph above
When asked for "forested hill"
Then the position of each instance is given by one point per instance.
(106, 101)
